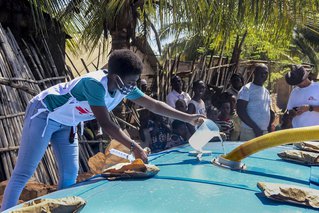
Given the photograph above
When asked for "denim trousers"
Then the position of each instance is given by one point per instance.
(32, 148)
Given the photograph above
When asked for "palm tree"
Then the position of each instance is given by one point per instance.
(212, 22)
(229, 23)
(89, 21)
(306, 39)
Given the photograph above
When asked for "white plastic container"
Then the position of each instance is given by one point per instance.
(206, 131)
(121, 154)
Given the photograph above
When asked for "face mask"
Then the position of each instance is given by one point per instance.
(123, 88)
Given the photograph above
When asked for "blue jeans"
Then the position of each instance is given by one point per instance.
(32, 149)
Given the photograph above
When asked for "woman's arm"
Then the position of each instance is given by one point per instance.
(103, 117)
(164, 109)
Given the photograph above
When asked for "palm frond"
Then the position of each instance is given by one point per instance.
(211, 21)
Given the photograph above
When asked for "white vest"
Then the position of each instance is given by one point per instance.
(73, 111)
(199, 106)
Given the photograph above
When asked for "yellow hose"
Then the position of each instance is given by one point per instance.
(273, 139)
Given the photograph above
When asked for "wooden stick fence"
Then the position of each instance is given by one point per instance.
(213, 71)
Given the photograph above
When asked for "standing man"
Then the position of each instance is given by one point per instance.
(177, 92)
(303, 103)
(253, 105)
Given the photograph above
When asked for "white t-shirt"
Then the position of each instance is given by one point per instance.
(173, 96)
(258, 108)
(199, 107)
(305, 96)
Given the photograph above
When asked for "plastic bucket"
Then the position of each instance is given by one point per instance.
(204, 133)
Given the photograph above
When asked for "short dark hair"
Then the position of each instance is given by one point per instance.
(237, 76)
(124, 62)
(259, 67)
(224, 98)
(175, 78)
(211, 109)
(223, 102)
(197, 83)
(181, 101)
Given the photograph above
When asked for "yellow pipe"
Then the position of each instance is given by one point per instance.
(273, 139)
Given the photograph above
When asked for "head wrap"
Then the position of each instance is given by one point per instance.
(296, 75)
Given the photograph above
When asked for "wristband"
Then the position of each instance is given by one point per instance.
(132, 147)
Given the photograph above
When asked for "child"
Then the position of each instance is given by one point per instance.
(180, 131)
(212, 113)
(235, 118)
(226, 124)
(180, 134)
(160, 133)
(180, 105)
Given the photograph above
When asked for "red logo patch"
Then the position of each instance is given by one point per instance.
(82, 111)
(311, 98)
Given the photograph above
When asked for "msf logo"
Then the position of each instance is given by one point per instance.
(83, 110)
(311, 98)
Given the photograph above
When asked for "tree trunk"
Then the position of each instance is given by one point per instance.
(236, 53)
(120, 40)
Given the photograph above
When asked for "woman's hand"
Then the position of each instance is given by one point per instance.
(301, 109)
(196, 119)
(139, 152)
